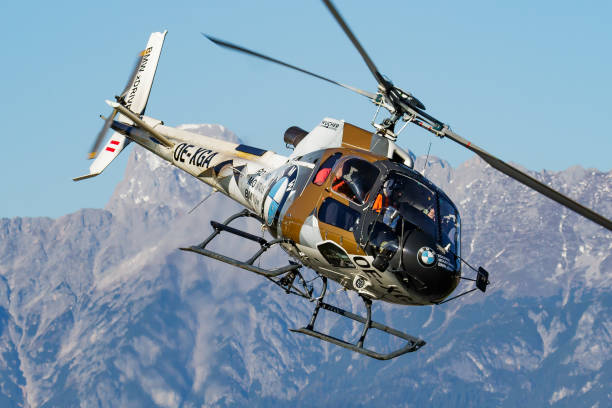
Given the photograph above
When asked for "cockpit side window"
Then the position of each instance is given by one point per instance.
(339, 215)
(355, 179)
(325, 169)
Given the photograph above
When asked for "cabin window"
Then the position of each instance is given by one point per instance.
(355, 179)
(339, 215)
(325, 169)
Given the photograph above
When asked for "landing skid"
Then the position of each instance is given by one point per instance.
(412, 343)
(286, 276)
(248, 265)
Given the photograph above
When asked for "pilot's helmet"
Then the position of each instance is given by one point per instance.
(388, 187)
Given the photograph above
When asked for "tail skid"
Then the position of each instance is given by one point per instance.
(134, 99)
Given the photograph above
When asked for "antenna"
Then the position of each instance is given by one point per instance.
(427, 158)
(213, 191)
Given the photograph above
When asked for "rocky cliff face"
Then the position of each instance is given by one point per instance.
(100, 308)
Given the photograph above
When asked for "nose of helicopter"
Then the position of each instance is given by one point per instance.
(426, 269)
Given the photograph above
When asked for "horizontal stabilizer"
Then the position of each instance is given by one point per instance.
(86, 176)
(112, 148)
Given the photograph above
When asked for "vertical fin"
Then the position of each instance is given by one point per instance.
(135, 98)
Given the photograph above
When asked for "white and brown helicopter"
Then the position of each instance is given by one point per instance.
(347, 203)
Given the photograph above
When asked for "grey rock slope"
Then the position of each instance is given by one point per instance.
(100, 308)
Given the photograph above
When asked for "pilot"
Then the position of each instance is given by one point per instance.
(384, 204)
(429, 210)
(383, 199)
(340, 183)
(431, 213)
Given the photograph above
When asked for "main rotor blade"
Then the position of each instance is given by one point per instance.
(238, 48)
(377, 75)
(529, 181)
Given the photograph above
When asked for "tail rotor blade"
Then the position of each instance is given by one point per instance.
(107, 123)
(132, 76)
(96, 146)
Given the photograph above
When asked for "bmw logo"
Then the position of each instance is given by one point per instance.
(426, 256)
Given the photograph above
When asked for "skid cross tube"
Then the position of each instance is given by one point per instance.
(412, 343)
(247, 265)
(243, 213)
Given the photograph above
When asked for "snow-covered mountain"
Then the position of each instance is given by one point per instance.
(100, 308)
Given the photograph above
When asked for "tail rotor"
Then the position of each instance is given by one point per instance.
(120, 99)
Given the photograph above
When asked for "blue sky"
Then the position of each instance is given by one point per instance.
(528, 81)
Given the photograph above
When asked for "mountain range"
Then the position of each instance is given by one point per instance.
(100, 308)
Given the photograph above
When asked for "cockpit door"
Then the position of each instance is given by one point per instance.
(336, 196)
(346, 195)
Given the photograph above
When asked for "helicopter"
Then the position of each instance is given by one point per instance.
(347, 203)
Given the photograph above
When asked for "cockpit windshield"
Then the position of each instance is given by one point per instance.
(413, 200)
(405, 197)
(354, 179)
(404, 204)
